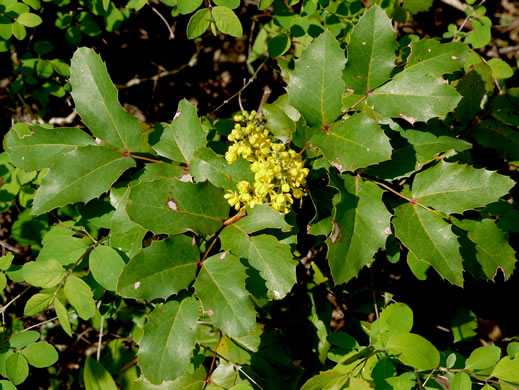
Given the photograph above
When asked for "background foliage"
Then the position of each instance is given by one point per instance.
(123, 265)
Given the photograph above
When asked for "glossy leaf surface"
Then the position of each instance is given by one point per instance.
(353, 143)
(455, 188)
(430, 239)
(160, 270)
(220, 285)
(96, 101)
(361, 224)
(371, 52)
(169, 339)
(429, 56)
(315, 86)
(80, 175)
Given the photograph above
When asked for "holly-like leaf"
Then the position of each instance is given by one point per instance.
(80, 175)
(371, 52)
(455, 188)
(172, 206)
(96, 102)
(353, 143)
(427, 144)
(106, 266)
(361, 224)
(183, 136)
(160, 270)
(125, 234)
(430, 239)
(414, 350)
(262, 217)
(220, 285)
(414, 97)
(493, 249)
(497, 135)
(265, 253)
(41, 148)
(169, 339)
(80, 297)
(207, 165)
(429, 56)
(316, 86)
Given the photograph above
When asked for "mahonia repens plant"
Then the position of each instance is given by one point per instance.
(377, 150)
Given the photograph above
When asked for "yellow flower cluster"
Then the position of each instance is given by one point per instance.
(279, 173)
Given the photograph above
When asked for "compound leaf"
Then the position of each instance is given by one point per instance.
(160, 270)
(42, 147)
(429, 56)
(96, 102)
(198, 23)
(265, 253)
(414, 97)
(220, 285)
(371, 52)
(17, 368)
(169, 339)
(430, 239)
(315, 86)
(172, 206)
(455, 188)
(507, 369)
(361, 224)
(80, 175)
(183, 136)
(353, 143)
(46, 273)
(37, 303)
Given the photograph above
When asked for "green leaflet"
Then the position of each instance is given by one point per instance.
(414, 97)
(272, 259)
(493, 249)
(483, 357)
(361, 224)
(96, 101)
(353, 143)
(173, 206)
(455, 188)
(160, 270)
(207, 165)
(40, 354)
(315, 86)
(183, 136)
(371, 52)
(430, 239)
(262, 217)
(169, 339)
(429, 56)
(220, 286)
(42, 147)
(80, 175)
